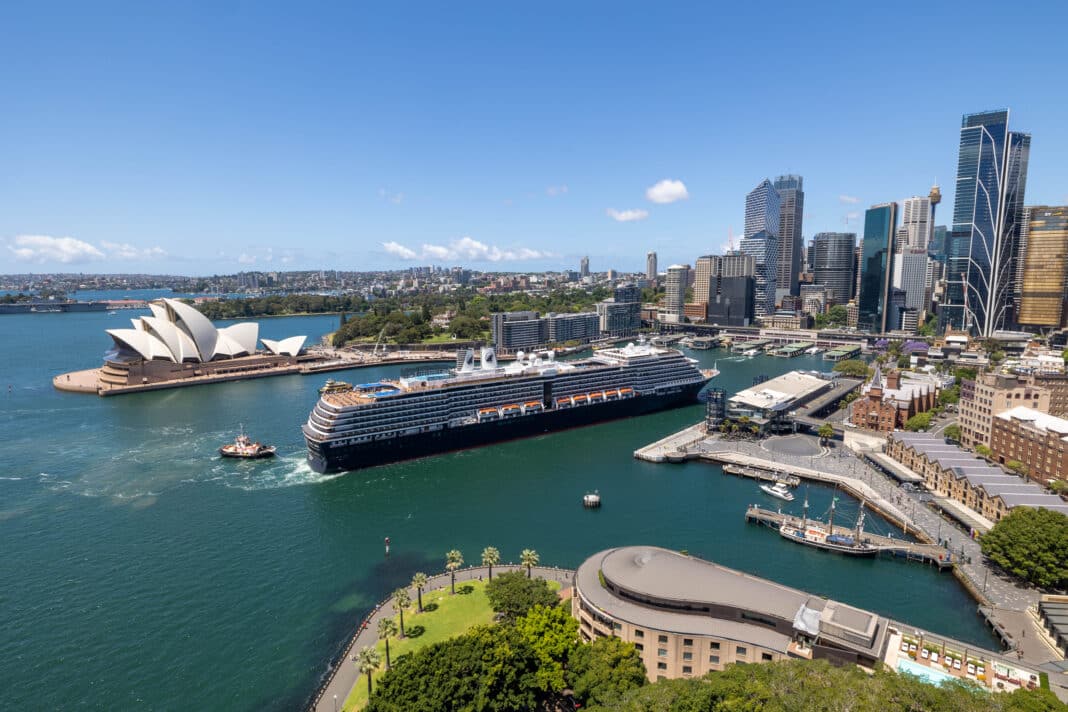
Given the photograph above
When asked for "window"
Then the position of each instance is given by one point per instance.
(715, 645)
(661, 666)
(687, 656)
(639, 646)
(639, 633)
(661, 639)
(765, 656)
(740, 651)
(687, 641)
(687, 670)
(661, 652)
(714, 659)
(617, 626)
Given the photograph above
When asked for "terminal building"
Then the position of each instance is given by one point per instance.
(688, 617)
(768, 405)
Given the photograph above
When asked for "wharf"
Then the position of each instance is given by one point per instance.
(841, 353)
(673, 448)
(758, 474)
(911, 551)
(757, 344)
(791, 350)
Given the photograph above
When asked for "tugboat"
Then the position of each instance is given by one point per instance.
(243, 447)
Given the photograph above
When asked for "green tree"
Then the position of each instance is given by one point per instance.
(852, 367)
(512, 594)
(1031, 544)
(920, 421)
(983, 451)
(367, 661)
(387, 628)
(453, 561)
(419, 581)
(553, 634)
(402, 601)
(603, 671)
(1016, 466)
(1058, 487)
(952, 432)
(490, 668)
(825, 432)
(490, 558)
(950, 395)
(529, 558)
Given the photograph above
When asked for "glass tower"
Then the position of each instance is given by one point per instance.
(1044, 277)
(832, 262)
(792, 208)
(982, 246)
(763, 208)
(873, 302)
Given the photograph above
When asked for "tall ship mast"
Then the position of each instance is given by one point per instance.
(425, 412)
(815, 533)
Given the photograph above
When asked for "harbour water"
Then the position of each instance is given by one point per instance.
(139, 569)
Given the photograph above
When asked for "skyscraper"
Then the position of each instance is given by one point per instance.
(832, 255)
(584, 267)
(1044, 277)
(763, 210)
(763, 247)
(987, 215)
(916, 222)
(675, 293)
(702, 282)
(791, 213)
(650, 266)
(873, 301)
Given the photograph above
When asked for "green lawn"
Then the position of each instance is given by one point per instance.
(453, 616)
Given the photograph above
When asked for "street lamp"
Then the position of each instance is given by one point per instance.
(335, 703)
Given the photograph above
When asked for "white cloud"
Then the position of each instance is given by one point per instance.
(126, 251)
(44, 248)
(395, 198)
(246, 259)
(667, 191)
(848, 199)
(554, 190)
(627, 215)
(465, 249)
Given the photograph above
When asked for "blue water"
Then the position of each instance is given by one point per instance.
(140, 570)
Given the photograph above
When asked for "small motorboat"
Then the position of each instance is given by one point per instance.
(591, 500)
(780, 490)
(243, 447)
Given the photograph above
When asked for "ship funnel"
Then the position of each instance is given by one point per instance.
(468, 363)
(489, 359)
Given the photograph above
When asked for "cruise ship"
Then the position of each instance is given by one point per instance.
(423, 413)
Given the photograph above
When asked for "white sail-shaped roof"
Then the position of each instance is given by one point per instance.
(198, 326)
(181, 346)
(285, 347)
(244, 335)
(143, 342)
(158, 310)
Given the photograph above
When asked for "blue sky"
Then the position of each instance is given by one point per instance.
(203, 138)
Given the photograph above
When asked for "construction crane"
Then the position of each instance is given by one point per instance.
(379, 342)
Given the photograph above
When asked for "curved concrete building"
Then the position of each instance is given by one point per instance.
(688, 617)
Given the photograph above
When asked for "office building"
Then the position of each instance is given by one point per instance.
(910, 275)
(584, 267)
(832, 263)
(937, 248)
(1043, 283)
(763, 247)
(702, 281)
(987, 216)
(916, 222)
(674, 303)
(880, 223)
(990, 394)
(763, 208)
(650, 266)
(816, 298)
(791, 213)
(732, 302)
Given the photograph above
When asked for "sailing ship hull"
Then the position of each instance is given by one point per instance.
(800, 538)
(326, 457)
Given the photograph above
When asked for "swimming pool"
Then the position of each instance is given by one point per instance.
(931, 675)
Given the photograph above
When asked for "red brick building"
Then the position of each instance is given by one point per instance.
(886, 403)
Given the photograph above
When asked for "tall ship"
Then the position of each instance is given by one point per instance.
(815, 533)
(423, 412)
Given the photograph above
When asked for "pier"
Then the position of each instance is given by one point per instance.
(791, 350)
(841, 353)
(757, 344)
(765, 475)
(911, 551)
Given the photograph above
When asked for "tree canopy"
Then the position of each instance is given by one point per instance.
(920, 421)
(1031, 544)
(852, 367)
(603, 671)
(512, 594)
(553, 634)
(952, 432)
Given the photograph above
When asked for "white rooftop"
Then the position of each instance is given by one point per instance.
(780, 391)
(1037, 419)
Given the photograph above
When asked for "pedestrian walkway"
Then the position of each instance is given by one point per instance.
(343, 675)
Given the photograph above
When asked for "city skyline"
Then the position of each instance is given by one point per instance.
(242, 144)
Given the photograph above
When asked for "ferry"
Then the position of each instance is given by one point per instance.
(815, 533)
(429, 412)
(780, 490)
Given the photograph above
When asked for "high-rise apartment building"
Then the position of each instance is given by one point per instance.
(675, 293)
(1044, 267)
(832, 255)
(791, 213)
(763, 247)
(650, 266)
(763, 208)
(702, 281)
(584, 267)
(873, 300)
(987, 215)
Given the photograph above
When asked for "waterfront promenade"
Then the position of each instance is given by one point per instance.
(1008, 607)
(343, 675)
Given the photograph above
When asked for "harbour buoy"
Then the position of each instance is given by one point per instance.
(591, 500)
(387, 546)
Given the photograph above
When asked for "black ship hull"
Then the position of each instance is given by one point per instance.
(325, 457)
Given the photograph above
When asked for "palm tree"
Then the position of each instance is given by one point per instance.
(387, 628)
(401, 601)
(367, 662)
(491, 557)
(419, 583)
(453, 560)
(529, 558)
(825, 432)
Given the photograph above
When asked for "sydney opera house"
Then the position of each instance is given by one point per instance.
(177, 342)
